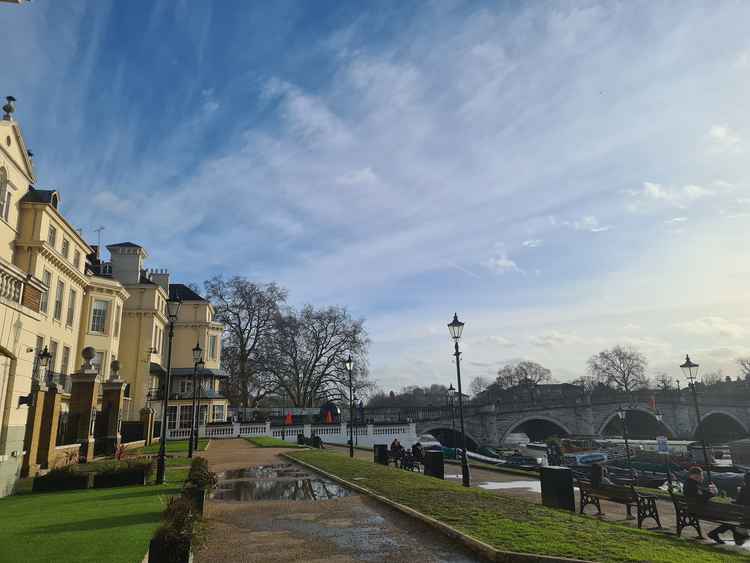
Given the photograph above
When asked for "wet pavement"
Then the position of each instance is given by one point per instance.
(267, 510)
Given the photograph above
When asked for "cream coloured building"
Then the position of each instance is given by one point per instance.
(56, 294)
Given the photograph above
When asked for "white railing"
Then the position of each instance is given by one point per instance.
(365, 435)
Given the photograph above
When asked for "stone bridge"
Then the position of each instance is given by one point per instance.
(722, 419)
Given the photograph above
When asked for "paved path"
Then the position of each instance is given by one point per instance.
(346, 529)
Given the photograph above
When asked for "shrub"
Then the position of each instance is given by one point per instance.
(131, 472)
(62, 479)
(172, 539)
(199, 475)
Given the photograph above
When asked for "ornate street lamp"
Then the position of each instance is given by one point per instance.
(199, 370)
(44, 358)
(690, 370)
(456, 327)
(349, 364)
(173, 308)
(197, 358)
(451, 400)
(623, 414)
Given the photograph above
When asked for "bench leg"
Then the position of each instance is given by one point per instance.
(629, 508)
(647, 509)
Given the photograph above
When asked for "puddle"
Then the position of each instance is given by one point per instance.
(281, 471)
(535, 486)
(279, 489)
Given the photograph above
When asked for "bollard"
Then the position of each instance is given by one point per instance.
(557, 488)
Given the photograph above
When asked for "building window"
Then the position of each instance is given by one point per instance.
(77, 259)
(52, 236)
(218, 413)
(65, 248)
(212, 347)
(44, 301)
(171, 418)
(53, 356)
(71, 307)
(99, 316)
(59, 300)
(186, 416)
(6, 206)
(39, 348)
(185, 386)
(64, 368)
(118, 313)
(4, 194)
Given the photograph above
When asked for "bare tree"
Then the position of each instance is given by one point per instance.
(713, 377)
(527, 373)
(305, 357)
(621, 367)
(479, 384)
(249, 312)
(663, 381)
(744, 364)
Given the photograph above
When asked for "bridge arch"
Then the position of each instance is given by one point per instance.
(720, 426)
(451, 438)
(542, 432)
(643, 419)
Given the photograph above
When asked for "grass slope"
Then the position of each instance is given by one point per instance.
(511, 524)
(173, 447)
(93, 525)
(269, 442)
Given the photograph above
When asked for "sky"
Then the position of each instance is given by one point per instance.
(566, 176)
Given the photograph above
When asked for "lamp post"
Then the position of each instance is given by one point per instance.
(173, 308)
(623, 414)
(690, 370)
(451, 399)
(199, 372)
(44, 358)
(659, 417)
(349, 365)
(197, 357)
(456, 327)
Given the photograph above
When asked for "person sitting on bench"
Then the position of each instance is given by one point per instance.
(599, 476)
(695, 491)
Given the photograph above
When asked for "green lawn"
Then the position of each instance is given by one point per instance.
(269, 442)
(507, 523)
(173, 447)
(92, 525)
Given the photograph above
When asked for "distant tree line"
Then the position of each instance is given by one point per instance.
(276, 354)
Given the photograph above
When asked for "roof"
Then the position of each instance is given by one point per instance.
(41, 196)
(182, 292)
(125, 244)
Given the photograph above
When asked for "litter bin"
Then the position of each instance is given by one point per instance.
(301, 439)
(557, 488)
(434, 466)
(381, 453)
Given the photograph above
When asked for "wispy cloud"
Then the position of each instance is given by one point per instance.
(589, 223)
(724, 139)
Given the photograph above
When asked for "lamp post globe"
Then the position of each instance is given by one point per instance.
(456, 328)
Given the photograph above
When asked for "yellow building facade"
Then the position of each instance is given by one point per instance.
(58, 296)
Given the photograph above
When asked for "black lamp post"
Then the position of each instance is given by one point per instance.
(199, 372)
(197, 358)
(456, 327)
(349, 365)
(41, 361)
(623, 414)
(451, 399)
(690, 370)
(660, 417)
(173, 308)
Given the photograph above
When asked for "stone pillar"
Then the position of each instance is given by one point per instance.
(147, 420)
(30, 466)
(113, 395)
(50, 423)
(83, 396)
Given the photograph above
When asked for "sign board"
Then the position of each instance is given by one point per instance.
(661, 445)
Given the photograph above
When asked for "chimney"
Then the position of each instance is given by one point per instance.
(161, 277)
(127, 262)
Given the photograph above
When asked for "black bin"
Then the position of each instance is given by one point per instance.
(434, 466)
(381, 453)
(301, 439)
(557, 488)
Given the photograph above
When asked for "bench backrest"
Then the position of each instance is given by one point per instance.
(714, 509)
(617, 491)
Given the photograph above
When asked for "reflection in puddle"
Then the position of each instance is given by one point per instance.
(281, 489)
(280, 471)
(535, 486)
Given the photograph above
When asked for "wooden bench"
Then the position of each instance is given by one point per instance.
(621, 494)
(690, 513)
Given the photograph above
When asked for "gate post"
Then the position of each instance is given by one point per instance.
(30, 465)
(83, 396)
(113, 393)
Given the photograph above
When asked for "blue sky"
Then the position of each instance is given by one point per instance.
(566, 176)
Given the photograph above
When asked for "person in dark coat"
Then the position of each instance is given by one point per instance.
(696, 492)
(599, 475)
